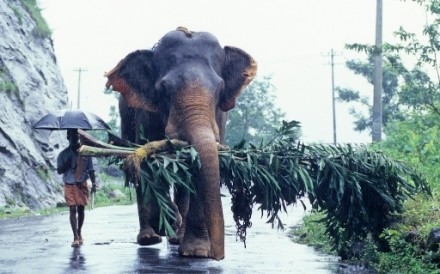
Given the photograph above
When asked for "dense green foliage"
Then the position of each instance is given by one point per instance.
(417, 141)
(403, 257)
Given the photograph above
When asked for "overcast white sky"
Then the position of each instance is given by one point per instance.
(290, 39)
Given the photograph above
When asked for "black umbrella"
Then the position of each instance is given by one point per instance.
(71, 119)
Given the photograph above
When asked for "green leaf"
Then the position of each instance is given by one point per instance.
(175, 167)
(166, 162)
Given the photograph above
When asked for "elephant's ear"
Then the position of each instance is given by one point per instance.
(239, 70)
(133, 79)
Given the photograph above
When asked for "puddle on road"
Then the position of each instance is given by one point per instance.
(107, 243)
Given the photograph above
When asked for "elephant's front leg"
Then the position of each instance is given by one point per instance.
(195, 242)
(146, 212)
(181, 199)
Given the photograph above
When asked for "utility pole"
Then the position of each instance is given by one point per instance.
(377, 98)
(79, 70)
(332, 55)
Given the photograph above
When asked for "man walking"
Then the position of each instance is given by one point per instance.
(76, 171)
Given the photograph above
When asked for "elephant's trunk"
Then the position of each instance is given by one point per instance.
(204, 141)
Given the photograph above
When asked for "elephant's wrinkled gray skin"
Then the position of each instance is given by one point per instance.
(182, 89)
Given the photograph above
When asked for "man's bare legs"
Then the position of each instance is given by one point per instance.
(80, 222)
(76, 222)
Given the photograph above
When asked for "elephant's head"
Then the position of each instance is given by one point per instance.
(188, 78)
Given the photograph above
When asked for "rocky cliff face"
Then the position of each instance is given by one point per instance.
(30, 87)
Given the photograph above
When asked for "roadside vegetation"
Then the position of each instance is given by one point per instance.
(411, 115)
(111, 192)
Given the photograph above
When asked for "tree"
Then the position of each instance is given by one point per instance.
(114, 121)
(391, 107)
(406, 92)
(420, 91)
(255, 116)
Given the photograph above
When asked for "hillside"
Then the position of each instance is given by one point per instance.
(30, 87)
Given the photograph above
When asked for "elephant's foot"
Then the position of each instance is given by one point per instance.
(195, 247)
(174, 240)
(177, 239)
(148, 237)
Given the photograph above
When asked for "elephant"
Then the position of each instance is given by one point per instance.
(183, 88)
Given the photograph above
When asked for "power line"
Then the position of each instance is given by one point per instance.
(78, 102)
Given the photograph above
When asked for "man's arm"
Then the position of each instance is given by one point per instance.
(93, 179)
(92, 176)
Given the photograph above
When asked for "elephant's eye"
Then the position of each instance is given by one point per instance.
(165, 86)
(161, 86)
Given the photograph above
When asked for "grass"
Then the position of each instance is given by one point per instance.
(41, 29)
(311, 232)
(6, 85)
(103, 197)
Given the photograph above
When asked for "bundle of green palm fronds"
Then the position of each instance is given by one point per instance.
(359, 190)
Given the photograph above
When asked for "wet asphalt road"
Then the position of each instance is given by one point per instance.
(42, 245)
